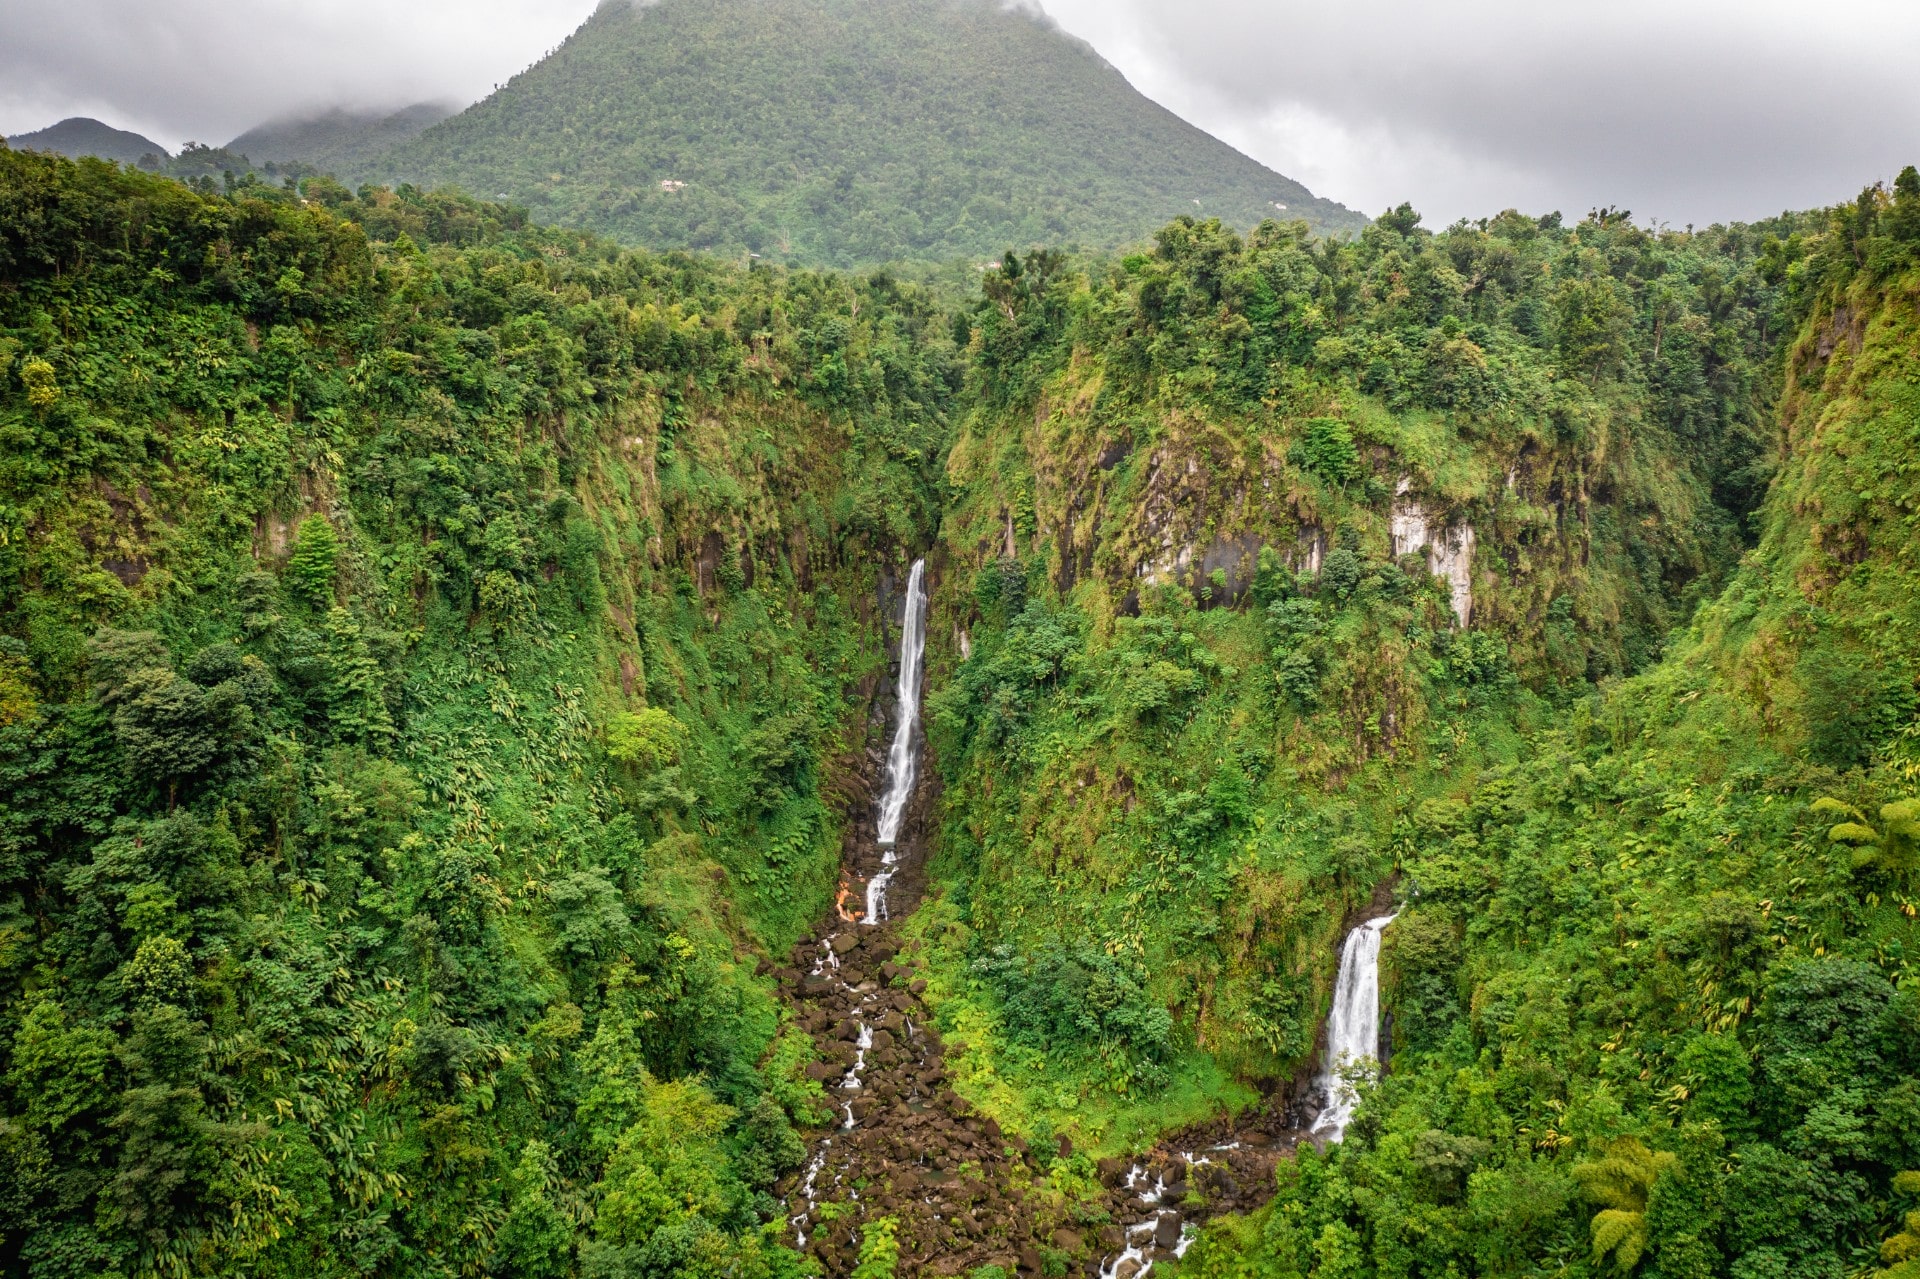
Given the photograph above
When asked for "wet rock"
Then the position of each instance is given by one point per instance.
(1166, 1231)
(1112, 1171)
(849, 1030)
(844, 942)
(1128, 1268)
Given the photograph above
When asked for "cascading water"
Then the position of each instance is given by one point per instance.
(900, 757)
(1353, 1027)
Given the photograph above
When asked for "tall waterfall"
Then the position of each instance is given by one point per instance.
(1353, 1027)
(900, 758)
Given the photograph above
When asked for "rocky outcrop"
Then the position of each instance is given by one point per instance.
(1449, 549)
(963, 1192)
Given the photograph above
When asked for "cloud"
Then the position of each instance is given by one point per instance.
(209, 69)
(1685, 110)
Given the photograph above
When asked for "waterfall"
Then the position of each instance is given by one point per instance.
(900, 757)
(1353, 1027)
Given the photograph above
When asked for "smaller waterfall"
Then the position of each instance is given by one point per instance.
(900, 757)
(1353, 1027)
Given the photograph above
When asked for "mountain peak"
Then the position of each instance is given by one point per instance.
(79, 135)
(843, 132)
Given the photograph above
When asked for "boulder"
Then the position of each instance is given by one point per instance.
(844, 942)
(1166, 1231)
(1067, 1241)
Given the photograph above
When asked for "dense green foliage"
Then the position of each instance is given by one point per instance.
(841, 132)
(1654, 1008)
(437, 655)
(431, 654)
(1201, 685)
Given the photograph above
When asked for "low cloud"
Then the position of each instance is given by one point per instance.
(207, 70)
(1683, 110)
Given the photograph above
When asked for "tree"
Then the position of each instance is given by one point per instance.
(1893, 846)
(1622, 1180)
(1902, 1251)
(879, 1251)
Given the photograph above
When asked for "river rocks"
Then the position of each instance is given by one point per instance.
(964, 1192)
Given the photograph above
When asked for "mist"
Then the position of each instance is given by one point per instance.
(1683, 112)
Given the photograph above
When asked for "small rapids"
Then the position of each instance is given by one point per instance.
(901, 761)
(1353, 1028)
(1163, 1229)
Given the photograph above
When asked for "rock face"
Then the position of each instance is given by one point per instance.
(1449, 550)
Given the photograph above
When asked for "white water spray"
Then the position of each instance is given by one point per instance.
(1353, 1027)
(900, 757)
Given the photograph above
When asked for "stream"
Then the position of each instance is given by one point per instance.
(902, 1144)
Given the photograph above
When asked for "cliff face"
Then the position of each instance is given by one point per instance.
(437, 658)
(1255, 545)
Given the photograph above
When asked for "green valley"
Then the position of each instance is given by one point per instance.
(450, 666)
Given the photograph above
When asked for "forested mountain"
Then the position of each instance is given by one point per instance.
(445, 665)
(337, 141)
(80, 136)
(842, 132)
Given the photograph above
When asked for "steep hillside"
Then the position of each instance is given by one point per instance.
(338, 141)
(443, 665)
(80, 136)
(433, 667)
(1655, 1005)
(830, 131)
(1254, 543)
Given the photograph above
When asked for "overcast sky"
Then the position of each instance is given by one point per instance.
(1680, 110)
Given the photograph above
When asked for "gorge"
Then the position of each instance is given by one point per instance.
(486, 786)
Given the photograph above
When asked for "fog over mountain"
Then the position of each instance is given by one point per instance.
(1686, 112)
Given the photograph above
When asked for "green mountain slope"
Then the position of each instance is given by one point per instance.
(441, 659)
(1653, 989)
(432, 670)
(339, 141)
(830, 131)
(1657, 1006)
(81, 136)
